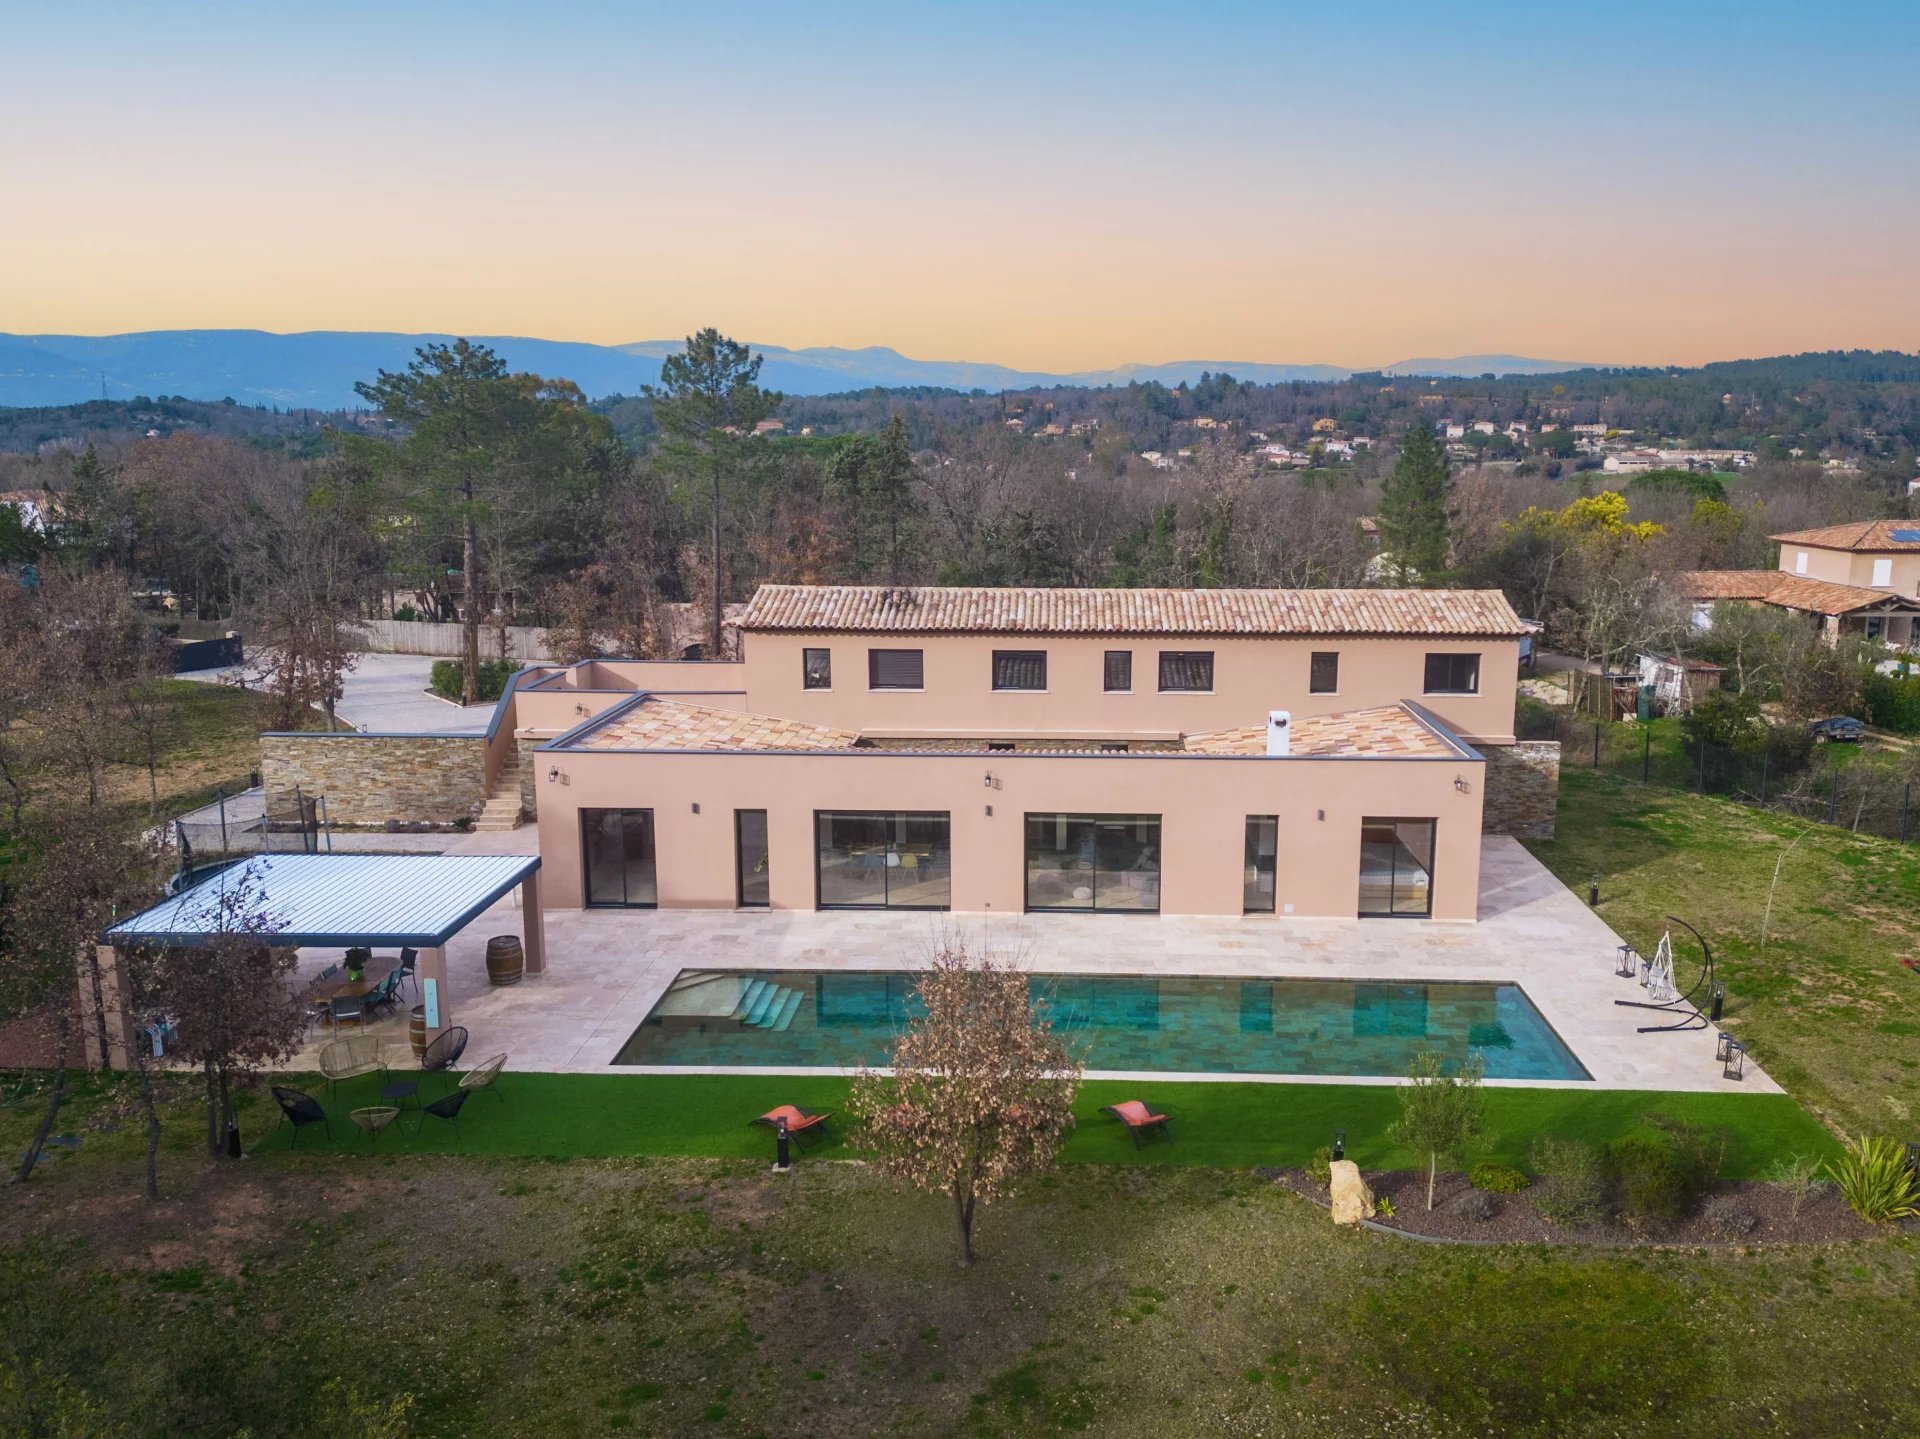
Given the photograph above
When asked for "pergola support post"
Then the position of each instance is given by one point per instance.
(533, 925)
(432, 970)
(118, 1025)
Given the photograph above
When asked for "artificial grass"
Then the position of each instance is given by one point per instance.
(1224, 1125)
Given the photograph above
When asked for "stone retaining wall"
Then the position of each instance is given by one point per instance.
(1523, 784)
(378, 779)
(529, 777)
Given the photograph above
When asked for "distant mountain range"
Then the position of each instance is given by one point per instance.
(317, 369)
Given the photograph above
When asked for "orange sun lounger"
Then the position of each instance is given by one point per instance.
(799, 1122)
(1140, 1119)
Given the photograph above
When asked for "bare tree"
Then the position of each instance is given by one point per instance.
(980, 1092)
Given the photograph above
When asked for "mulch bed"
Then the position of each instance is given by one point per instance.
(1461, 1212)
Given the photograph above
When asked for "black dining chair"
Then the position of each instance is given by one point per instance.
(347, 1007)
(409, 964)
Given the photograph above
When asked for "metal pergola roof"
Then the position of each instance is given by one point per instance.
(420, 900)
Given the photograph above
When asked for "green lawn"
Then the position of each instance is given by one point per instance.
(1824, 1004)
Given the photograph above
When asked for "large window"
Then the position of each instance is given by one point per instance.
(816, 668)
(896, 670)
(884, 861)
(1263, 841)
(1323, 676)
(1187, 670)
(1019, 669)
(1093, 862)
(1119, 671)
(1453, 674)
(617, 845)
(1396, 867)
(751, 860)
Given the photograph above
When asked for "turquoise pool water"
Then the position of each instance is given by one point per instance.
(809, 1019)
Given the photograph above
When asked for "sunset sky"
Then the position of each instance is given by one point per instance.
(1049, 186)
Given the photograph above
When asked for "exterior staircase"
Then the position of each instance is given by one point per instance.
(502, 808)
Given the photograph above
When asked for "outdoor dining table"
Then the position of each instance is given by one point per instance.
(340, 986)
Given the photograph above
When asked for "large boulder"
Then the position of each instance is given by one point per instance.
(1352, 1200)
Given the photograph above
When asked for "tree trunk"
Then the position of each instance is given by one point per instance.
(94, 982)
(54, 1101)
(963, 1213)
(713, 619)
(1433, 1166)
(470, 640)
(213, 1111)
(226, 1114)
(153, 1130)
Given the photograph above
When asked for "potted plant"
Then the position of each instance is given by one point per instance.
(357, 960)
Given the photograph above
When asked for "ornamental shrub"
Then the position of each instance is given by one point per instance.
(1876, 1181)
(1575, 1192)
(1653, 1188)
(1893, 702)
(1497, 1178)
(490, 682)
(1320, 1167)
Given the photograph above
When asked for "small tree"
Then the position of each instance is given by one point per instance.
(981, 1089)
(1439, 1112)
(1416, 507)
(231, 998)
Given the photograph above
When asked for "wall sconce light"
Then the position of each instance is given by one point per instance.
(989, 811)
(696, 806)
(1460, 783)
(993, 780)
(553, 775)
(1320, 813)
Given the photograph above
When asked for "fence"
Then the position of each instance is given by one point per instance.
(1838, 784)
(444, 641)
(247, 823)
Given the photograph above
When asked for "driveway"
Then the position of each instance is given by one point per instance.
(387, 694)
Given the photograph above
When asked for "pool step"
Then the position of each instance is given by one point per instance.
(764, 1005)
(787, 1010)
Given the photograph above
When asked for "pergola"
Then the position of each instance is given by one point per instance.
(414, 901)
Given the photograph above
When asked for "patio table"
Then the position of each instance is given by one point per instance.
(323, 991)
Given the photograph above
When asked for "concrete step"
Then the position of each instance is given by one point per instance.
(788, 1008)
(749, 997)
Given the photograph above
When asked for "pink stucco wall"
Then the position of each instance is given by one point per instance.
(1251, 677)
(1203, 804)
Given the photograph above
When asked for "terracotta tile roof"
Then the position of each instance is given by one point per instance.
(876, 609)
(655, 723)
(1792, 592)
(1386, 731)
(1876, 536)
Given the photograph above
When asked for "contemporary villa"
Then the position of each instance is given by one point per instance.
(1321, 753)
(1855, 579)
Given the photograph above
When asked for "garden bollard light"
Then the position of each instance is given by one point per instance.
(1339, 1144)
(1719, 1001)
(782, 1154)
(1593, 891)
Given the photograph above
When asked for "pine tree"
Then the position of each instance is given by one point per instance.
(1416, 520)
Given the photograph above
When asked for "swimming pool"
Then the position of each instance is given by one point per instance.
(808, 1019)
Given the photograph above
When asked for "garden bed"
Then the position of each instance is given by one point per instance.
(1462, 1213)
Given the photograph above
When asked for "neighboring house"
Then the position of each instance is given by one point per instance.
(1287, 752)
(1704, 459)
(1631, 462)
(769, 427)
(1453, 431)
(34, 507)
(1484, 427)
(1861, 579)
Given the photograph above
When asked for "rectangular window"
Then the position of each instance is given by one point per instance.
(1019, 669)
(1800, 562)
(1882, 574)
(1105, 862)
(896, 670)
(1263, 841)
(617, 847)
(1453, 674)
(883, 861)
(751, 858)
(1186, 670)
(816, 669)
(1119, 671)
(1396, 868)
(1323, 677)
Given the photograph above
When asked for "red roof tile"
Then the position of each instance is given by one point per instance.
(1874, 536)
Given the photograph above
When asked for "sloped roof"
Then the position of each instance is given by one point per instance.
(1792, 592)
(655, 723)
(1875, 536)
(1384, 731)
(928, 610)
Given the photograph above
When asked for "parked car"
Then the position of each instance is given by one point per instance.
(1843, 729)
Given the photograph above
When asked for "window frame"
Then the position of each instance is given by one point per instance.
(1272, 906)
(1097, 822)
(1314, 659)
(1186, 655)
(1432, 869)
(873, 669)
(1106, 673)
(820, 904)
(807, 654)
(740, 899)
(587, 901)
(1016, 658)
(1451, 656)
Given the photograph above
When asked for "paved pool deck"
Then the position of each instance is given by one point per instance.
(607, 968)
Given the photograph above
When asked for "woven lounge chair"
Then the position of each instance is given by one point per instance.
(799, 1122)
(373, 1119)
(483, 1075)
(1141, 1120)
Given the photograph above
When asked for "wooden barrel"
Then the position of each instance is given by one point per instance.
(505, 959)
(417, 1029)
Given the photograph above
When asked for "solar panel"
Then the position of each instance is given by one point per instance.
(1907, 537)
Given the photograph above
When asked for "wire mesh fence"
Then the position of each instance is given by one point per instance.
(1839, 784)
(249, 823)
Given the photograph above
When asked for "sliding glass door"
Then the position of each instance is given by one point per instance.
(618, 849)
(751, 858)
(879, 860)
(1396, 868)
(1093, 862)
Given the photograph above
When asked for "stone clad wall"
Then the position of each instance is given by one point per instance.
(529, 777)
(378, 779)
(1523, 783)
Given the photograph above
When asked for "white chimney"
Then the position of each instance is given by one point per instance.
(1279, 733)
